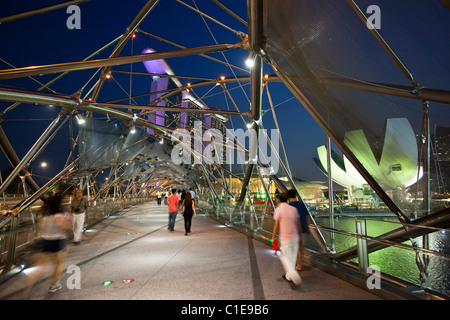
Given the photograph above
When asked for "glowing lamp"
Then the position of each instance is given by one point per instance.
(80, 119)
(250, 61)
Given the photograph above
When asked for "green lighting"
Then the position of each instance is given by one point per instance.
(107, 283)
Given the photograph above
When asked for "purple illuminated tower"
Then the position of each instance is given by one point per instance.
(159, 87)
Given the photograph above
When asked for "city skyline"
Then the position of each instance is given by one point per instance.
(48, 41)
(54, 24)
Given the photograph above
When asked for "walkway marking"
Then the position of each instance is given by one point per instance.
(19, 291)
(258, 290)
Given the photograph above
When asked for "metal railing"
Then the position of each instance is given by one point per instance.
(18, 235)
(408, 263)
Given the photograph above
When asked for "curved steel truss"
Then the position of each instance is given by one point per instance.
(126, 148)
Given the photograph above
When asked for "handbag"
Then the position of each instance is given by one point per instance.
(275, 245)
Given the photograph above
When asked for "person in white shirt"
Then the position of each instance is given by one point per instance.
(192, 193)
(79, 208)
(288, 223)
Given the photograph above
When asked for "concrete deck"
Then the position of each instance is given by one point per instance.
(212, 263)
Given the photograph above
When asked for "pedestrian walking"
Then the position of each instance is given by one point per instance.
(192, 193)
(173, 202)
(302, 256)
(79, 208)
(287, 222)
(159, 197)
(53, 243)
(188, 208)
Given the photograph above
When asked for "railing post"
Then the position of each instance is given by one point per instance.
(363, 257)
(11, 245)
(330, 195)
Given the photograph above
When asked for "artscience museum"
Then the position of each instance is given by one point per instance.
(395, 167)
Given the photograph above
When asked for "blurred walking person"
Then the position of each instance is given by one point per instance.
(79, 208)
(189, 211)
(54, 227)
(302, 257)
(287, 222)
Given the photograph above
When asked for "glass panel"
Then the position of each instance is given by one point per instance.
(330, 55)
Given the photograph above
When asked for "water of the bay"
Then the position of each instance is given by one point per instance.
(396, 261)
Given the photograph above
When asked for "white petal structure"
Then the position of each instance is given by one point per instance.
(397, 166)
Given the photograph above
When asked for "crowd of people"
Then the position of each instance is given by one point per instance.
(291, 223)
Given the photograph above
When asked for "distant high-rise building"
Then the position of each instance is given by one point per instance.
(441, 157)
(161, 85)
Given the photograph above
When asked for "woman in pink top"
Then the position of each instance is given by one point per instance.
(288, 223)
(173, 203)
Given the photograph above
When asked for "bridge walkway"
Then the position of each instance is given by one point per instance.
(214, 262)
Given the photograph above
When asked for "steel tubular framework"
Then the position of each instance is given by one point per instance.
(214, 175)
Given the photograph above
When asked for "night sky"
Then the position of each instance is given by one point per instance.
(45, 39)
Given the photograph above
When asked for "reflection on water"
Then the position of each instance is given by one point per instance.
(398, 262)
(439, 268)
